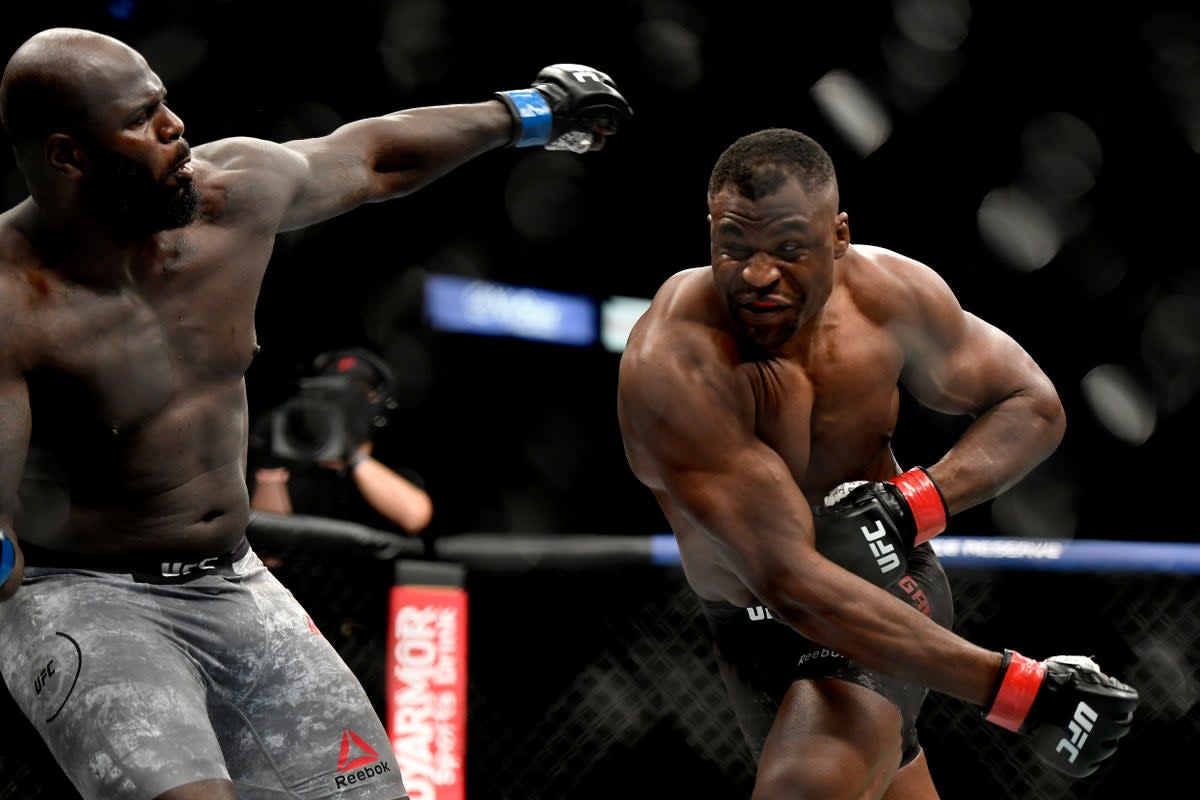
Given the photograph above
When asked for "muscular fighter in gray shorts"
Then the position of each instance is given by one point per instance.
(123, 671)
(129, 279)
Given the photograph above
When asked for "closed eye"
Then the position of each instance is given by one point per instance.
(790, 249)
(143, 114)
(147, 110)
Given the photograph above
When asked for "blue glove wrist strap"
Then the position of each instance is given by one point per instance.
(8, 557)
(533, 112)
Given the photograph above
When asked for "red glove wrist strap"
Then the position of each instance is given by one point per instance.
(1018, 687)
(925, 500)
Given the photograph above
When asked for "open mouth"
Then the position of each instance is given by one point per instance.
(764, 307)
(183, 171)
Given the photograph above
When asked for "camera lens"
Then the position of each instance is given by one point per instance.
(308, 428)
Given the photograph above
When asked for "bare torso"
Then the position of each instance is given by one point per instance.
(129, 389)
(136, 390)
(828, 407)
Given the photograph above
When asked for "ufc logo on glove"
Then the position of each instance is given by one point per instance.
(892, 516)
(885, 554)
(1080, 726)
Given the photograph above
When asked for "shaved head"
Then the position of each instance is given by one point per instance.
(56, 79)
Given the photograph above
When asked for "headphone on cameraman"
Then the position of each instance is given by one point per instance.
(376, 373)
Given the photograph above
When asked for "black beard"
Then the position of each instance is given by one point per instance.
(123, 195)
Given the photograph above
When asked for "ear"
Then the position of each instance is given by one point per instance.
(64, 155)
(841, 233)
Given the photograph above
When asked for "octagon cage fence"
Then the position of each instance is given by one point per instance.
(586, 671)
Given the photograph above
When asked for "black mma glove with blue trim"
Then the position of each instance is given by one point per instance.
(568, 107)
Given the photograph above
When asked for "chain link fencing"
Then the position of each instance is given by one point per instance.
(594, 679)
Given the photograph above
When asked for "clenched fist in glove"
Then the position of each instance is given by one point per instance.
(1074, 714)
(569, 107)
(869, 527)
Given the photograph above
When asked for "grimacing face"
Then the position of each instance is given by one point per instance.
(773, 258)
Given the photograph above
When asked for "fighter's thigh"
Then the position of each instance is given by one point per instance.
(308, 728)
(121, 708)
(831, 740)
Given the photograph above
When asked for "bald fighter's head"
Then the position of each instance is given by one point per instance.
(57, 78)
(86, 117)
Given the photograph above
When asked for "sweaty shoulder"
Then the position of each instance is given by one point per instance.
(888, 286)
(681, 346)
(680, 380)
(245, 179)
(685, 307)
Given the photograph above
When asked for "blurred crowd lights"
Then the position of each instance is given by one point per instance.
(1120, 403)
(457, 304)
(922, 51)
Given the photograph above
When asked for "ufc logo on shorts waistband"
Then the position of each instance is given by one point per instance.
(757, 613)
(173, 569)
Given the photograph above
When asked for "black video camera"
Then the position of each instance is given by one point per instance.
(335, 410)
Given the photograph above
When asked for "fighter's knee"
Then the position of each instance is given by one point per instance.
(811, 779)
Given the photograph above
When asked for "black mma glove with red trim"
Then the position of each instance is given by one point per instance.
(1074, 714)
(869, 527)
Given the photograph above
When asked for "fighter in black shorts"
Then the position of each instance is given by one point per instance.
(760, 657)
(144, 639)
(758, 398)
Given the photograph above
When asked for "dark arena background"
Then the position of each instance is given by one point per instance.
(1042, 157)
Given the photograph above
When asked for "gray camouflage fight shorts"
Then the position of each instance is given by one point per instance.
(141, 682)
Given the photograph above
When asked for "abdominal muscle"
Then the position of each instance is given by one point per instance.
(174, 482)
(205, 516)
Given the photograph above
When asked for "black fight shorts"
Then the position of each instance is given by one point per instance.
(760, 657)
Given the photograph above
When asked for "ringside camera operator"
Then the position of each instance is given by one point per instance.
(313, 453)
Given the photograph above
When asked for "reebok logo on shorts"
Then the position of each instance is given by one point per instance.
(357, 761)
(823, 652)
(365, 754)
